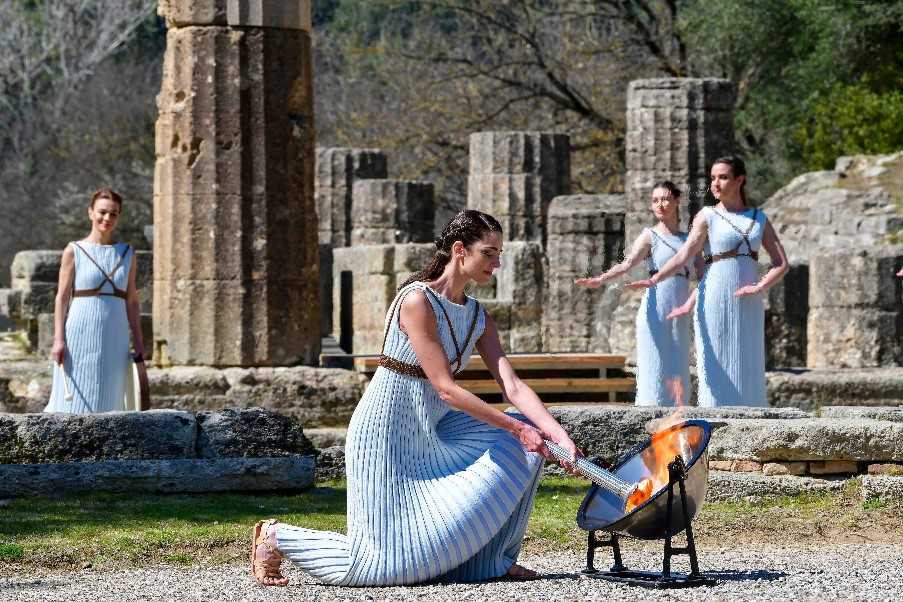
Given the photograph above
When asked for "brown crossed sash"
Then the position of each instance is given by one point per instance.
(735, 252)
(416, 371)
(95, 292)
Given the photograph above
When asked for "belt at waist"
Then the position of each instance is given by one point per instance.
(96, 293)
(729, 254)
(684, 274)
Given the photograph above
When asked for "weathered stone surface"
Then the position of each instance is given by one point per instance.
(235, 240)
(893, 414)
(676, 128)
(10, 302)
(736, 486)
(811, 389)
(336, 171)
(847, 208)
(158, 476)
(288, 14)
(331, 463)
(312, 396)
(895, 470)
(250, 433)
(586, 237)
(784, 468)
(857, 279)
(323, 437)
(392, 211)
(881, 486)
(810, 439)
(786, 316)
(37, 438)
(515, 175)
(833, 467)
(854, 337)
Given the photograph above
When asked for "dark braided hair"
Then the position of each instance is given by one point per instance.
(738, 168)
(468, 226)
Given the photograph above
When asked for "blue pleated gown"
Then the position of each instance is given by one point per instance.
(730, 332)
(663, 345)
(432, 493)
(97, 335)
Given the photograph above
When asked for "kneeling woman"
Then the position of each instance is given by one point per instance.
(440, 484)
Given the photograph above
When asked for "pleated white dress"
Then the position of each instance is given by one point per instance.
(730, 332)
(97, 334)
(432, 493)
(663, 345)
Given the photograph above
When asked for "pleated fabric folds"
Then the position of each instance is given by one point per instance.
(97, 336)
(432, 493)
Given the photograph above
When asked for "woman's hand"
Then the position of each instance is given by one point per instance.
(531, 439)
(677, 312)
(593, 282)
(748, 291)
(564, 441)
(58, 352)
(900, 274)
(638, 284)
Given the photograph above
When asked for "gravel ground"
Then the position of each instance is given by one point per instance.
(844, 572)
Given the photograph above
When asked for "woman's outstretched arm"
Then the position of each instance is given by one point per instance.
(418, 322)
(695, 241)
(638, 252)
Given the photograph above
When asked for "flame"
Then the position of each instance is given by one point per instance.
(666, 444)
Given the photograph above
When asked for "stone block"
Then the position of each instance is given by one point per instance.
(786, 316)
(392, 211)
(336, 171)
(10, 302)
(29, 267)
(249, 433)
(833, 467)
(538, 153)
(710, 94)
(853, 337)
(36, 298)
(412, 257)
(53, 437)
(784, 468)
(370, 259)
(179, 13)
(883, 487)
(856, 279)
(331, 463)
(325, 437)
(742, 486)
(158, 476)
(895, 470)
(284, 14)
(725, 465)
(893, 413)
(814, 389)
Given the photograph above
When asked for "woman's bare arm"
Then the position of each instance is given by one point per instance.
(638, 252)
(418, 322)
(133, 308)
(695, 241)
(779, 266)
(61, 304)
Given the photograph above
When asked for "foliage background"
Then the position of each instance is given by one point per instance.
(816, 79)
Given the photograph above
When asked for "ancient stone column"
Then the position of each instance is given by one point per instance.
(392, 211)
(586, 237)
(337, 171)
(676, 128)
(235, 243)
(515, 175)
(855, 310)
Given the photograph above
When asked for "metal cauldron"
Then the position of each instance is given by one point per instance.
(602, 510)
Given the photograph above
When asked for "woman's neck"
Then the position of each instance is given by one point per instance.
(669, 225)
(733, 205)
(99, 238)
(450, 285)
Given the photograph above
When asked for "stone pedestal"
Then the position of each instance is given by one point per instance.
(337, 171)
(392, 211)
(676, 128)
(786, 314)
(515, 175)
(856, 311)
(586, 237)
(235, 240)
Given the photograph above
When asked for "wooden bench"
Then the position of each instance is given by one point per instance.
(545, 373)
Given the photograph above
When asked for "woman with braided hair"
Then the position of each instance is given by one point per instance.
(440, 484)
(730, 313)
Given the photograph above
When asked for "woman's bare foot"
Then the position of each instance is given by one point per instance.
(265, 557)
(522, 573)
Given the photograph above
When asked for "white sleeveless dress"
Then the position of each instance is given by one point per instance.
(663, 345)
(97, 333)
(432, 492)
(730, 331)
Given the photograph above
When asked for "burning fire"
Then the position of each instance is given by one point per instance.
(665, 446)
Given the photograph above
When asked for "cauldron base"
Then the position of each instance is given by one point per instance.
(655, 580)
